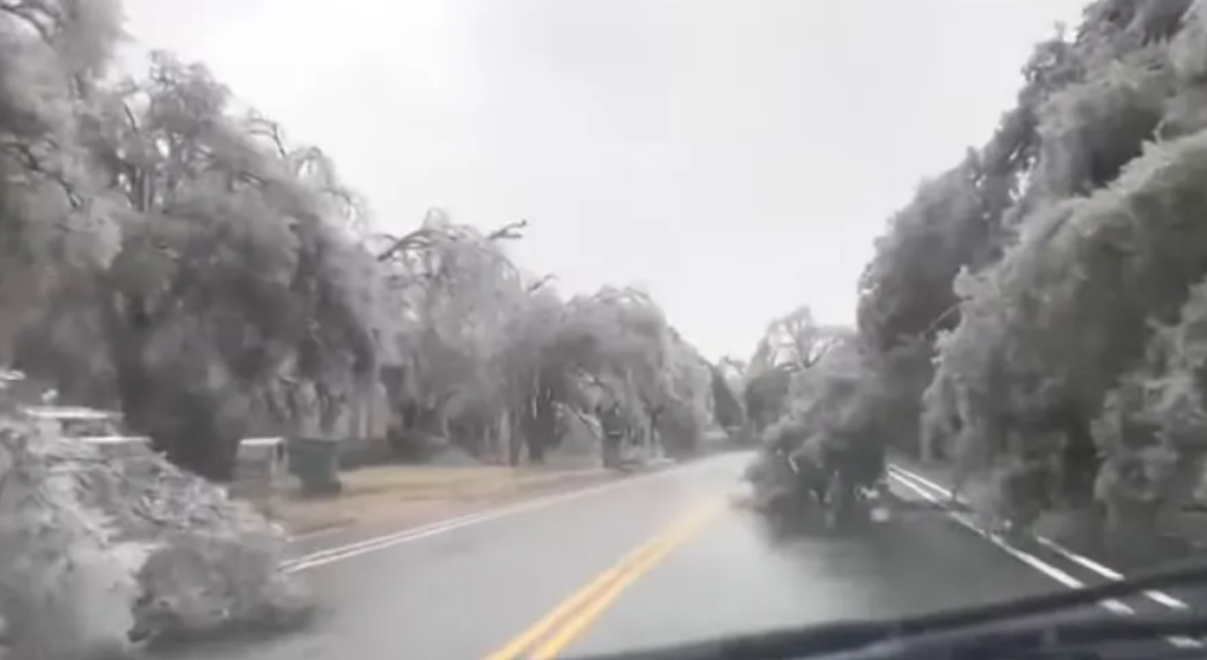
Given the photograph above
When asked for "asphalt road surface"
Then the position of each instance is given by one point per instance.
(650, 560)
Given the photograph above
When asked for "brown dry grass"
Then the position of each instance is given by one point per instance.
(386, 492)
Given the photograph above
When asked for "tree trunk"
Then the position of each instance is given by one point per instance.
(1079, 459)
(536, 453)
(515, 441)
(611, 450)
(927, 451)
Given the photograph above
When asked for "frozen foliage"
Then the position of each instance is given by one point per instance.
(1036, 311)
(172, 254)
(101, 545)
(1056, 275)
(68, 584)
(167, 252)
(213, 562)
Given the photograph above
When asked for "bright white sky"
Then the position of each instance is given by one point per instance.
(735, 157)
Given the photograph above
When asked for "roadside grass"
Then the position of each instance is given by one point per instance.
(388, 492)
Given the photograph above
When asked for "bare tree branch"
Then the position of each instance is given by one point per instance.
(37, 16)
(23, 153)
(417, 238)
(508, 231)
(420, 238)
(266, 128)
(537, 285)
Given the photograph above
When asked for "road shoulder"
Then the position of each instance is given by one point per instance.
(420, 515)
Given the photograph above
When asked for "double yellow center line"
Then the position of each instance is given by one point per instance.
(575, 615)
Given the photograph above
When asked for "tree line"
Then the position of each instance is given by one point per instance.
(1042, 305)
(169, 253)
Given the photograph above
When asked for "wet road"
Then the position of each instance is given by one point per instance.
(650, 560)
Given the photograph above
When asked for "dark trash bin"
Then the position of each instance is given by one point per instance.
(612, 454)
(315, 462)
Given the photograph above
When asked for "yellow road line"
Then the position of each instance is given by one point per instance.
(525, 639)
(522, 642)
(583, 619)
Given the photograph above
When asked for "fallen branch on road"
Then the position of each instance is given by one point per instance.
(98, 550)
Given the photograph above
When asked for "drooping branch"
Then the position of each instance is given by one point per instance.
(35, 15)
(421, 239)
(510, 231)
(22, 153)
(539, 284)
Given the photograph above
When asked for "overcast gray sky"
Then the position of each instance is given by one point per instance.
(735, 157)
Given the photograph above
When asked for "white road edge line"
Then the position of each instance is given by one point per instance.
(330, 555)
(1159, 597)
(365, 546)
(1034, 562)
(931, 492)
(409, 531)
